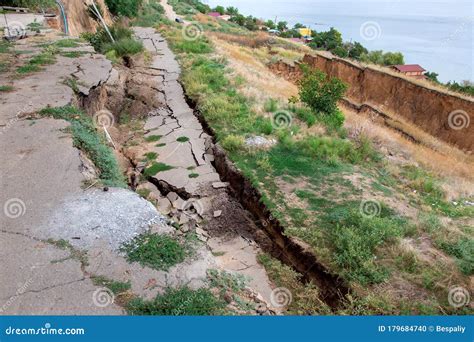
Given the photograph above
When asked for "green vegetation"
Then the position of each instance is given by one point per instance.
(155, 168)
(125, 44)
(87, 138)
(179, 302)
(160, 252)
(149, 14)
(126, 8)
(150, 156)
(46, 57)
(117, 287)
(6, 88)
(193, 175)
(67, 43)
(153, 138)
(305, 297)
(33, 4)
(321, 94)
(182, 139)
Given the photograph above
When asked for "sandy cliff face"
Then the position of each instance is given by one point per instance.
(79, 19)
(443, 115)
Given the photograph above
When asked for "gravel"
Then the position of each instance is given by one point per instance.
(96, 216)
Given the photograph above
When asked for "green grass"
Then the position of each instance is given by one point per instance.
(153, 138)
(87, 138)
(463, 251)
(155, 168)
(179, 302)
(73, 54)
(116, 287)
(28, 69)
(125, 47)
(150, 156)
(67, 43)
(182, 139)
(5, 46)
(193, 175)
(159, 252)
(6, 88)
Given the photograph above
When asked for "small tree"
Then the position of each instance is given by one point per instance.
(432, 76)
(220, 10)
(282, 26)
(231, 10)
(320, 92)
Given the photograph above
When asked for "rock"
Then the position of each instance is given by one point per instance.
(217, 213)
(172, 196)
(219, 185)
(259, 141)
(164, 206)
(183, 219)
(179, 203)
(261, 308)
(202, 232)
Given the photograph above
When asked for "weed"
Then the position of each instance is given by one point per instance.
(156, 251)
(150, 156)
(193, 175)
(87, 138)
(155, 168)
(153, 138)
(178, 302)
(233, 143)
(182, 139)
(6, 88)
(117, 287)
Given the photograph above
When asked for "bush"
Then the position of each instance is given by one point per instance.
(319, 92)
(233, 143)
(126, 8)
(125, 47)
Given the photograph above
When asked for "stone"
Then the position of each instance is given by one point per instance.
(220, 185)
(164, 206)
(172, 196)
(217, 213)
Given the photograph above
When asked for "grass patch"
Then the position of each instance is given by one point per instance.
(153, 138)
(73, 54)
(157, 167)
(6, 89)
(28, 69)
(88, 139)
(156, 251)
(117, 287)
(150, 156)
(182, 139)
(67, 43)
(193, 175)
(179, 302)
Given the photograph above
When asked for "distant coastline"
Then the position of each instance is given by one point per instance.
(440, 39)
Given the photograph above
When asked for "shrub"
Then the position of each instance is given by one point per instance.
(126, 8)
(319, 92)
(233, 143)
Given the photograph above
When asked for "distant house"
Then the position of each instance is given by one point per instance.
(305, 32)
(413, 70)
(214, 14)
(225, 17)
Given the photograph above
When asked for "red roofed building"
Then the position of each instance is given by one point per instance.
(413, 70)
(214, 14)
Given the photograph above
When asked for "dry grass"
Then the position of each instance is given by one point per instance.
(440, 158)
(250, 64)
